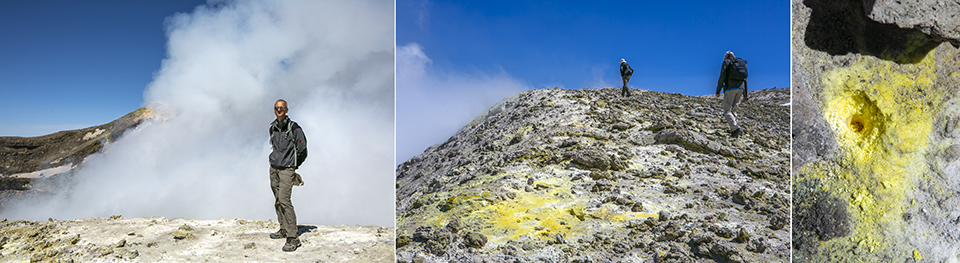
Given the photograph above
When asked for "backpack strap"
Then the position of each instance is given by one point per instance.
(289, 133)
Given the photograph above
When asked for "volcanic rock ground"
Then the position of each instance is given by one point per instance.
(160, 239)
(588, 176)
(875, 137)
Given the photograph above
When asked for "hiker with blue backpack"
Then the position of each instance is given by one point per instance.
(733, 82)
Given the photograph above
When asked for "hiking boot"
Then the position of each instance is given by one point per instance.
(291, 245)
(279, 234)
(736, 133)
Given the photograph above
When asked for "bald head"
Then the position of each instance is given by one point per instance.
(280, 109)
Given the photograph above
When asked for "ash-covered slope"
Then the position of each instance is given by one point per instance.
(585, 175)
(875, 138)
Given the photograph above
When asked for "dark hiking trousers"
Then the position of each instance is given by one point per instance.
(281, 182)
(625, 91)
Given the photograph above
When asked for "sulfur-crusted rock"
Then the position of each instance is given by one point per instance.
(874, 106)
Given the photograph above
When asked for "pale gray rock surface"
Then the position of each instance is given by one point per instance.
(937, 18)
(185, 240)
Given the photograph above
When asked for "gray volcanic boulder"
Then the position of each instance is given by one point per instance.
(596, 159)
(693, 141)
(937, 18)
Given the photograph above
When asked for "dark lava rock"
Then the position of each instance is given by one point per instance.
(673, 231)
(757, 246)
(475, 240)
(601, 186)
(622, 126)
(663, 215)
(742, 236)
(596, 159)
(723, 232)
(723, 251)
(694, 142)
(453, 226)
(818, 214)
(777, 222)
(742, 196)
(403, 240)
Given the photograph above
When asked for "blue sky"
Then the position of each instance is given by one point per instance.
(211, 73)
(673, 46)
(75, 64)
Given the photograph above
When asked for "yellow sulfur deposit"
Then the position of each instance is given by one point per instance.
(531, 213)
(882, 113)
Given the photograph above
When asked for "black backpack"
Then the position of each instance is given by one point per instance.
(737, 69)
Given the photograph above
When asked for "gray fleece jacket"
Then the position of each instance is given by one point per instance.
(289, 144)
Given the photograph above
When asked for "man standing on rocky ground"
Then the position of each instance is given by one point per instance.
(733, 81)
(289, 151)
(625, 72)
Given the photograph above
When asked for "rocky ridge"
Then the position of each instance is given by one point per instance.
(586, 175)
(875, 135)
(772, 96)
(160, 239)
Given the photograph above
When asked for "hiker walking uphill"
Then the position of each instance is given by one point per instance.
(289, 151)
(733, 82)
(625, 72)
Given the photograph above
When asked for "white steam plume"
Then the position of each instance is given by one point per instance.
(433, 105)
(205, 156)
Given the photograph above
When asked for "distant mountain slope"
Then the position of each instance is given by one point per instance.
(585, 175)
(26, 162)
(30, 154)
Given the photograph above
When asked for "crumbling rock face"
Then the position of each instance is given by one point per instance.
(587, 176)
(937, 18)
